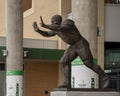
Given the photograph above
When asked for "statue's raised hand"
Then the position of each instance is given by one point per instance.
(36, 28)
(42, 23)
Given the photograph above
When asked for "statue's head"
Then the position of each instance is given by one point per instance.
(56, 19)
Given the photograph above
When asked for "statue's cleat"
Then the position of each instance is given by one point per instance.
(64, 85)
(105, 82)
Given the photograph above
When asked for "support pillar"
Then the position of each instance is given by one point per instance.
(84, 13)
(14, 44)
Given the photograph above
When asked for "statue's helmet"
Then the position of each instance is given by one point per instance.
(56, 19)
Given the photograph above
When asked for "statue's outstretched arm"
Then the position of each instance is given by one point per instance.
(53, 27)
(43, 33)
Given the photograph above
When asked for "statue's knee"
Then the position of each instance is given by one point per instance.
(96, 66)
(89, 64)
(63, 63)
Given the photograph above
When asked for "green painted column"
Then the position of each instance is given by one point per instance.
(14, 45)
(84, 13)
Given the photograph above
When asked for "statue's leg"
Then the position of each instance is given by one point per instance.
(86, 56)
(68, 56)
(96, 68)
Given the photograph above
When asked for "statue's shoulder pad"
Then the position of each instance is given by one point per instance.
(68, 21)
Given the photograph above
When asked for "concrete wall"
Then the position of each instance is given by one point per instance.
(2, 17)
(44, 8)
(34, 43)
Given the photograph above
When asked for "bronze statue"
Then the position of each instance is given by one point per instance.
(79, 46)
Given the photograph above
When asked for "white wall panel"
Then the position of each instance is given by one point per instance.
(112, 22)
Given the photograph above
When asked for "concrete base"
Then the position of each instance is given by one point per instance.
(83, 93)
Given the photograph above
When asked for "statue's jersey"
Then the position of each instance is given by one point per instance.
(69, 32)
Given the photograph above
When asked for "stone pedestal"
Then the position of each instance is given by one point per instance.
(85, 93)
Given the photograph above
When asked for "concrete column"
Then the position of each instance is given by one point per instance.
(64, 10)
(100, 45)
(84, 13)
(14, 43)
